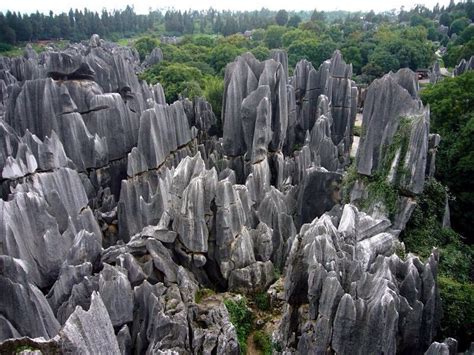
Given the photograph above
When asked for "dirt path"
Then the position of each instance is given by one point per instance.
(251, 347)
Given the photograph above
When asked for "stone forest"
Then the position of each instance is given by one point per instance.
(129, 225)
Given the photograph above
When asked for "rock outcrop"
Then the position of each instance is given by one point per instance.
(395, 149)
(348, 292)
(118, 206)
(464, 66)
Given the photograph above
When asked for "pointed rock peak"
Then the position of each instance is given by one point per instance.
(94, 41)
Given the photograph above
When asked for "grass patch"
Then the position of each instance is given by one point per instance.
(203, 293)
(263, 342)
(262, 301)
(12, 52)
(357, 131)
(242, 318)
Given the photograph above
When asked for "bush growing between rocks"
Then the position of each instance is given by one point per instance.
(262, 301)
(241, 317)
(425, 231)
(203, 293)
(263, 342)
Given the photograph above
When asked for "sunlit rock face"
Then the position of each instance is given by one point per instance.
(117, 207)
(346, 289)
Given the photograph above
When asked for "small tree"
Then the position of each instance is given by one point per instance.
(294, 21)
(145, 45)
(281, 17)
(273, 36)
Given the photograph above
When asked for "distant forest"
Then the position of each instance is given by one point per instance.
(80, 24)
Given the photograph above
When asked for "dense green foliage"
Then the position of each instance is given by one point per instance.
(263, 342)
(458, 309)
(145, 45)
(242, 318)
(176, 79)
(374, 44)
(75, 25)
(452, 116)
(262, 301)
(425, 231)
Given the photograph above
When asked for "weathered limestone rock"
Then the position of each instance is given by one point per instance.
(243, 117)
(256, 122)
(324, 152)
(386, 103)
(433, 143)
(319, 192)
(153, 58)
(191, 217)
(464, 66)
(163, 129)
(89, 331)
(91, 157)
(360, 303)
(448, 347)
(230, 220)
(333, 79)
(255, 277)
(24, 309)
(69, 276)
(160, 319)
(211, 328)
(117, 294)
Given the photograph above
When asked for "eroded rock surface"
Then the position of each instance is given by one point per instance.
(118, 206)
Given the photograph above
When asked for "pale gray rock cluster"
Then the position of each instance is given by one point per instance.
(82, 139)
(333, 80)
(347, 292)
(117, 207)
(464, 66)
(395, 147)
(155, 57)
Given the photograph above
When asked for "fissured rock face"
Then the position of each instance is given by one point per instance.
(117, 207)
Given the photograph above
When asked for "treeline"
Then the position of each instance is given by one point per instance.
(374, 43)
(80, 24)
(75, 25)
(216, 22)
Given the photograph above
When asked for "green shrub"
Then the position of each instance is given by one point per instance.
(262, 342)
(203, 293)
(357, 131)
(425, 231)
(452, 116)
(262, 301)
(5, 47)
(458, 310)
(241, 317)
(145, 45)
(176, 79)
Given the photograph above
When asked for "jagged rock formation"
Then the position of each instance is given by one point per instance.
(464, 66)
(333, 80)
(116, 206)
(348, 292)
(153, 58)
(395, 149)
